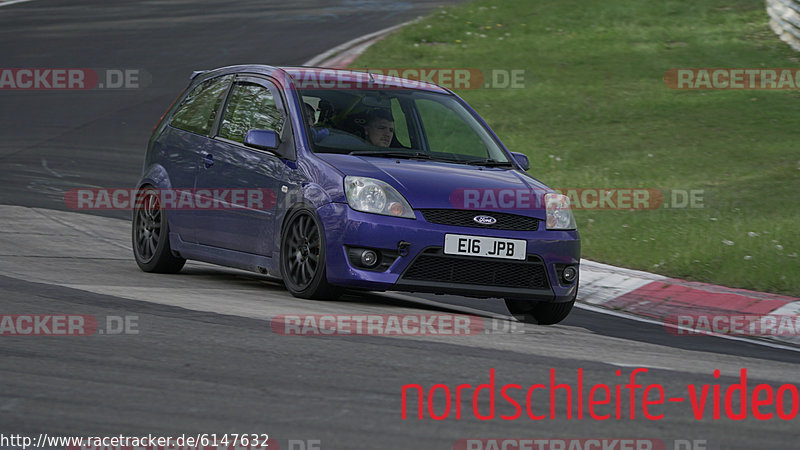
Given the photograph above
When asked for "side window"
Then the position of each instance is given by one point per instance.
(250, 106)
(196, 113)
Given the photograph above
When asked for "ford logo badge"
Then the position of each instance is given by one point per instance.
(485, 220)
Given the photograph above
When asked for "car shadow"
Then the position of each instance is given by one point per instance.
(491, 308)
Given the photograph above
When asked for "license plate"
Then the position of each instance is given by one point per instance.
(488, 247)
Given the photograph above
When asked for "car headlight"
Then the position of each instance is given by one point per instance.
(559, 214)
(374, 196)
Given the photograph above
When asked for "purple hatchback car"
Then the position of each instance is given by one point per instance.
(334, 179)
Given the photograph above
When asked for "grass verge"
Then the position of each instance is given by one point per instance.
(595, 113)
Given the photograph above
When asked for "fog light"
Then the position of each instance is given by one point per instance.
(369, 258)
(569, 274)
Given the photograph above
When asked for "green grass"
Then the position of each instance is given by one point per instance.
(596, 113)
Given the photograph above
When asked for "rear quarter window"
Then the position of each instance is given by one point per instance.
(197, 112)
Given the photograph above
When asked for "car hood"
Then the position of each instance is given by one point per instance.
(432, 184)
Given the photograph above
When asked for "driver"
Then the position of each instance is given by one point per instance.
(379, 128)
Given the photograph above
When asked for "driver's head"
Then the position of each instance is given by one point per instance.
(379, 128)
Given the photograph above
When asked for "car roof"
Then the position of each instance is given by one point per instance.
(340, 75)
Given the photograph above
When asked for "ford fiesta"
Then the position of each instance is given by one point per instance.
(336, 179)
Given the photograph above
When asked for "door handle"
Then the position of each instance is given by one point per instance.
(208, 160)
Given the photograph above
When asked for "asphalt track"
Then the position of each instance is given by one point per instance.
(205, 359)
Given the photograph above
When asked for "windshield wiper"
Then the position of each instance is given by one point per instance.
(392, 154)
(489, 163)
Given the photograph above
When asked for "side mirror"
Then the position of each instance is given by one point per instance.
(522, 160)
(262, 139)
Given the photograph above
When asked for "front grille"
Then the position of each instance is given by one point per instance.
(464, 218)
(433, 265)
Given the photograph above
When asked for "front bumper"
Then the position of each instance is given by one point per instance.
(445, 274)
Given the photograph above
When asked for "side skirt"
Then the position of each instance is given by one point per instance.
(230, 258)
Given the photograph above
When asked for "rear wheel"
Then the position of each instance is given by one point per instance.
(543, 313)
(303, 257)
(150, 235)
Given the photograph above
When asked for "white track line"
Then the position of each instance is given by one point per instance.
(655, 322)
(352, 43)
(493, 315)
(11, 2)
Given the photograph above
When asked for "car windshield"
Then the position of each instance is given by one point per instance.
(398, 123)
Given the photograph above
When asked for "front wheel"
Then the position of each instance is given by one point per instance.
(303, 257)
(150, 235)
(543, 313)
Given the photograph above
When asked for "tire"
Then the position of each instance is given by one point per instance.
(150, 235)
(303, 257)
(542, 313)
